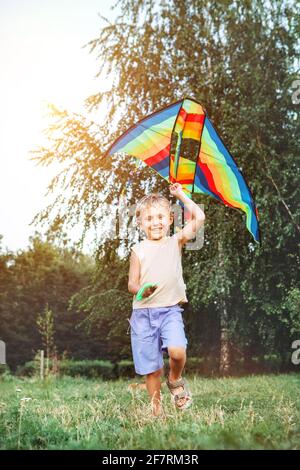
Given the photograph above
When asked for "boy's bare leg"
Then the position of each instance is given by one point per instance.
(177, 359)
(153, 387)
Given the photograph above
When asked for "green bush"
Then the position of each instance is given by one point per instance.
(72, 368)
(90, 369)
(125, 368)
(272, 362)
(28, 369)
(4, 369)
(195, 365)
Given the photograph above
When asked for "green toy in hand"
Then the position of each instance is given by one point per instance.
(147, 285)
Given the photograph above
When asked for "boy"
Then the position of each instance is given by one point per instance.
(156, 321)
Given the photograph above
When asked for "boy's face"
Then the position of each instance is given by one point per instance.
(155, 221)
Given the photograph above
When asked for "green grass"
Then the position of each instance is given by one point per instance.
(256, 412)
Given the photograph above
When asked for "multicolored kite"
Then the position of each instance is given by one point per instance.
(181, 144)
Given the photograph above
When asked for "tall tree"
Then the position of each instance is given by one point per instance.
(32, 278)
(238, 59)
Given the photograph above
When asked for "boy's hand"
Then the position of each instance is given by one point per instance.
(176, 189)
(147, 292)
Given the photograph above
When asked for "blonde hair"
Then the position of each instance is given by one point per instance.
(149, 200)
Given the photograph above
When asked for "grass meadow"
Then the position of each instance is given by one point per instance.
(254, 412)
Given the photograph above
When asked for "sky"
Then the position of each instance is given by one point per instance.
(42, 60)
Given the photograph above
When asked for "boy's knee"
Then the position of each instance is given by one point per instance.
(157, 373)
(176, 353)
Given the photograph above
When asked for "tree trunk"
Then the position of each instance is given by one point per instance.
(224, 365)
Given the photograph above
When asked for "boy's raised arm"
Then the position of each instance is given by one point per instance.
(197, 215)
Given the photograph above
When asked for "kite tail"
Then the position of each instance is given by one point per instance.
(252, 222)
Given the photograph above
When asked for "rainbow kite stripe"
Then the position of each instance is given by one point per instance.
(181, 144)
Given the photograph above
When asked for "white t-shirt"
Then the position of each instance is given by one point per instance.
(160, 263)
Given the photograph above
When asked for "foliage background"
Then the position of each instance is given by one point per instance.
(239, 59)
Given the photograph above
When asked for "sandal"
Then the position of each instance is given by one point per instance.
(178, 396)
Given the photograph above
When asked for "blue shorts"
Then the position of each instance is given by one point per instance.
(153, 330)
